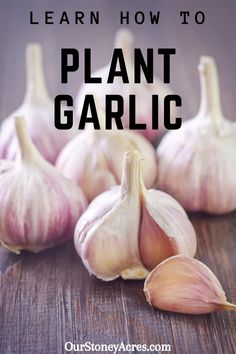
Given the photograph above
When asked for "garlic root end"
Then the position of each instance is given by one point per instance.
(134, 273)
(13, 249)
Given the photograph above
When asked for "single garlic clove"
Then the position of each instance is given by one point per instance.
(143, 91)
(165, 229)
(109, 250)
(185, 285)
(38, 206)
(201, 155)
(101, 154)
(36, 107)
(106, 238)
(128, 230)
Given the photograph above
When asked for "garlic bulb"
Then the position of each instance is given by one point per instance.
(94, 158)
(128, 230)
(38, 207)
(143, 91)
(37, 108)
(197, 163)
(185, 285)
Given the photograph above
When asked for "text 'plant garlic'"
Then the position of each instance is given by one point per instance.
(37, 109)
(39, 207)
(128, 230)
(197, 163)
(185, 285)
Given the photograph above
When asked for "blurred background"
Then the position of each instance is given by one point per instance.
(216, 37)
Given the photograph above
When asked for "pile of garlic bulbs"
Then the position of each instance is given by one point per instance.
(129, 230)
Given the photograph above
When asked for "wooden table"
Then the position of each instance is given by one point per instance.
(48, 299)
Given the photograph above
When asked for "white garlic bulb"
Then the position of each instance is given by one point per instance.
(37, 108)
(38, 207)
(128, 230)
(197, 163)
(93, 159)
(143, 91)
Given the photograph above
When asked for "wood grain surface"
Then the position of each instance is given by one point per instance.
(49, 298)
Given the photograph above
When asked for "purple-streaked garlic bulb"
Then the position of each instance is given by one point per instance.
(93, 159)
(39, 207)
(185, 285)
(197, 163)
(37, 108)
(143, 91)
(128, 230)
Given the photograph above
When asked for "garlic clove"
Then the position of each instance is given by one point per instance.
(38, 206)
(154, 244)
(124, 232)
(143, 91)
(36, 107)
(185, 285)
(165, 229)
(101, 154)
(109, 246)
(201, 155)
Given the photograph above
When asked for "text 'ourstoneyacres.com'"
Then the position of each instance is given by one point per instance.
(115, 348)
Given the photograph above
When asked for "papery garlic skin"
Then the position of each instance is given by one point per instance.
(94, 158)
(143, 91)
(114, 238)
(38, 207)
(185, 285)
(197, 163)
(5, 165)
(37, 108)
